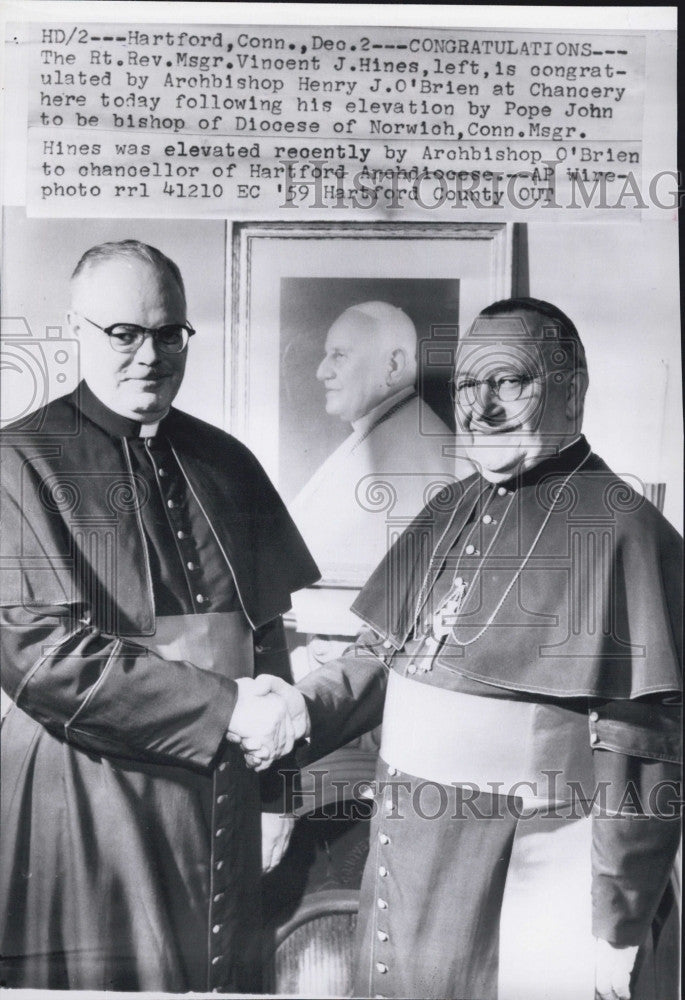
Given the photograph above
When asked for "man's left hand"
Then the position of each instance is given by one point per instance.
(613, 969)
(276, 833)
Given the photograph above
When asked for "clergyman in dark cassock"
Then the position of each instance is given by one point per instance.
(522, 649)
(146, 563)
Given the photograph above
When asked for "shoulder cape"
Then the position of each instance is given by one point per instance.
(71, 532)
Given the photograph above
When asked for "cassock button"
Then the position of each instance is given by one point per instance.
(470, 550)
(382, 967)
(223, 765)
(487, 519)
(392, 771)
(594, 716)
(381, 904)
(411, 669)
(191, 565)
(594, 738)
(387, 644)
(501, 491)
(219, 865)
(218, 897)
(382, 871)
(162, 473)
(200, 598)
(382, 936)
(181, 535)
(384, 838)
(216, 959)
(216, 928)
(221, 799)
(366, 792)
(220, 832)
(170, 504)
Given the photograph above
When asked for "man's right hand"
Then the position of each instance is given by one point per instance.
(269, 716)
(613, 969)
(261, 725)
(293, 698)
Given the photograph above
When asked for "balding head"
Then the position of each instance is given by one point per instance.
(126, 253)
(370, 355)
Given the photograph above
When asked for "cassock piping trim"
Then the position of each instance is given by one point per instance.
(394, 642)
(210, 898)
(139, 520)
(601, 812)
(425, 589)
(216, 537)
(526, 558)
(583, 692)
(603, 744)
(41, 660)
(98, 683)
(157, 474)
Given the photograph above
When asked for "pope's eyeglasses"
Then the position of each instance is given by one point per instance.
(126, 338)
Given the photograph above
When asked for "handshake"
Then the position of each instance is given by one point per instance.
(269, 717)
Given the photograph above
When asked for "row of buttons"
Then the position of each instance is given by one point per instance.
(594, 737)
(219, 895)
(175, 506)
(382, 967)
(450, 607)
(470, 549)
(382, 935)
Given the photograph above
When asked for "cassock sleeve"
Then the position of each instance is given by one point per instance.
(636, 825)
(345, 697)
(277, 784)
(110, 695)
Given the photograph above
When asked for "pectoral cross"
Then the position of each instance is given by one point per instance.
(441, 622)
(446, 615)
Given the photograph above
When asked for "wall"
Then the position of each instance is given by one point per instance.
(619, 284)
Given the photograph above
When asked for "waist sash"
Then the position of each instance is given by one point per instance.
(218, 641)
(540, 753)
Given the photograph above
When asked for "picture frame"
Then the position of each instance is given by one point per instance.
(290, 281)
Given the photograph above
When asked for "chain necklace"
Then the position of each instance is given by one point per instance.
(452, 603)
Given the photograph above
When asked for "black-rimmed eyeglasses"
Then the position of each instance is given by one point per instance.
(126, 338)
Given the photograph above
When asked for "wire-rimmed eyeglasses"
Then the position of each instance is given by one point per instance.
(507, 388)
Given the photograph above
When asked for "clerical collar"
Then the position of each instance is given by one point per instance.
(564, 462)
(371, 418)
(112, 422)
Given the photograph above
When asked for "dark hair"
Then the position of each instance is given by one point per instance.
(132, 249)
(506, 306)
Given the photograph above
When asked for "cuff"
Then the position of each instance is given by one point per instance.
(277, 785)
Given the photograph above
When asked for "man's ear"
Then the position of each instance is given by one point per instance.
(575, 396)
(397, 366)
(74, 322)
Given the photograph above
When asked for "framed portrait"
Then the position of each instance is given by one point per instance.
(292, 281)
